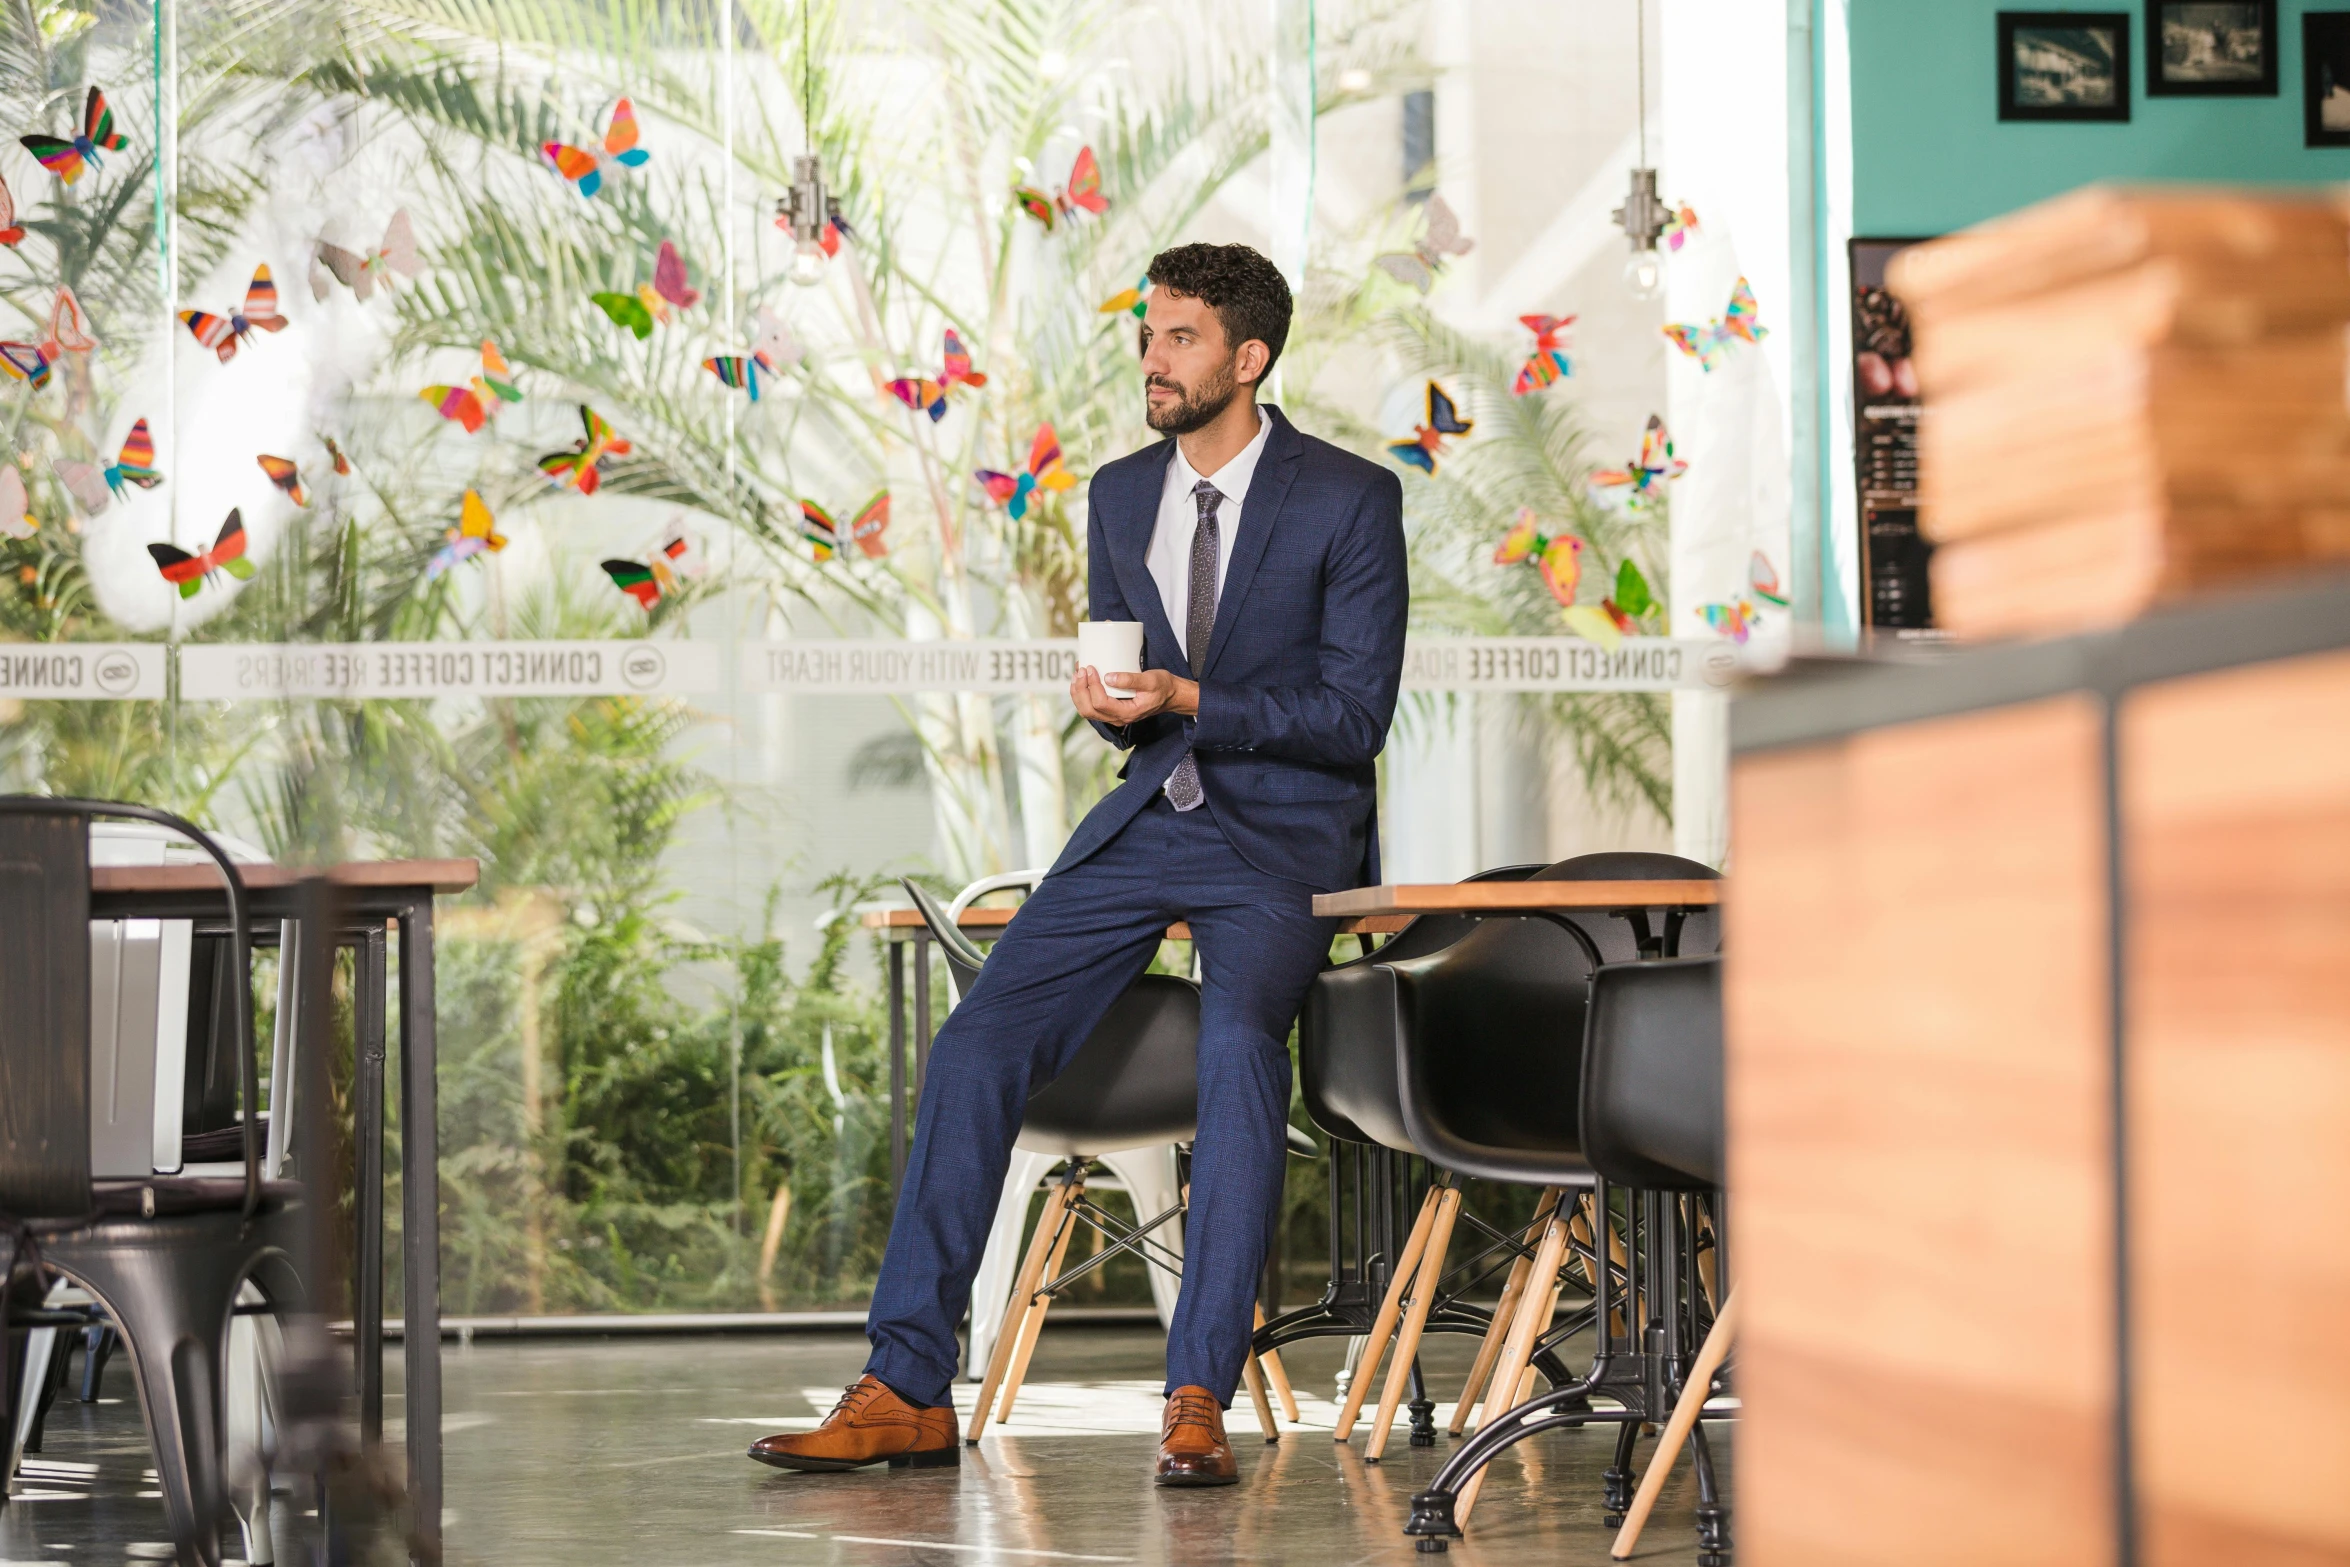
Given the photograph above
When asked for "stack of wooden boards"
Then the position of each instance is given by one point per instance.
(2131, 394)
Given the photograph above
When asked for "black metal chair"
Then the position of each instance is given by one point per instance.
(165, 1256)
(1134, 1083)
(1650, 1123)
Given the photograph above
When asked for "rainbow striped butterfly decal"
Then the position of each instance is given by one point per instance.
(68, 331)
(1441, 238)
(1708, 344)
(66, 157)
(475, 403)
(582, 467)
(16, 516)
(476, 532)
(1550, 362)
(96, 487)
(585, 169)
(1558, 556)
(1134, 299)
(362, 273)
(191, 572)
(1618, 615)
(285, 476)
(1427, 441)
(930, 396)
(1083, 193)
(1645, 477)
(1763, 579)
(25, 362)
(222, 334)
(1680, 223)
(769, 354)
(1044, 472)
(650, 580)
(865, 529)
(11, 233)
(1735, 620)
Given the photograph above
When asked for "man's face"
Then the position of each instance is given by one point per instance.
(1190, 372)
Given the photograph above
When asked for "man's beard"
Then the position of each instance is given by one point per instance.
(1193, 410)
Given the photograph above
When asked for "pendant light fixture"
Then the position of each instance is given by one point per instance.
(807, 209)
(1642, 216)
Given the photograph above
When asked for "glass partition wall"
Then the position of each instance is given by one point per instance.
(431, 437)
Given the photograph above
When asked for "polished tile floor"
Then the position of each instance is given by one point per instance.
(628, 1453)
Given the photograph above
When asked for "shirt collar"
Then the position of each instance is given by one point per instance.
(1231, 480)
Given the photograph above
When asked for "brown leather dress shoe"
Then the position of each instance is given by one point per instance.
(869, 1425)
(1192, 1449)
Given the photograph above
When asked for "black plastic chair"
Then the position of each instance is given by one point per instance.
(1651, 1126)
(165, 1256)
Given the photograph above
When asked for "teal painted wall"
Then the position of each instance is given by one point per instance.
(1929, 153)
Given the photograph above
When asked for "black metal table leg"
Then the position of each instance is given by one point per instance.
(897, 1056)
(921, 1002)
(369, 979)
(420, 1189)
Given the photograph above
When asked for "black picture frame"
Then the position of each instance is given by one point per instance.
(2325, 64)
(2018, 29)
(2164, 80)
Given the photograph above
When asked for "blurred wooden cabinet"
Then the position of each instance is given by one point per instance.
(2039, 1090)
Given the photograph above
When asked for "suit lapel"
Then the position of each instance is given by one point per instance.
(1132, 516)
(1268, 487)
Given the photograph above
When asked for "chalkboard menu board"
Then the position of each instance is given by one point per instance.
(1895, 595)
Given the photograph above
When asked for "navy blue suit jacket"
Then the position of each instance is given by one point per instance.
(1299, 680)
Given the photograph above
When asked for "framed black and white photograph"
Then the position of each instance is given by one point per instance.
(2325, 78)
(2211, 48)
(2064, 65)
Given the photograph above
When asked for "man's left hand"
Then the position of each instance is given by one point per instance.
(1155, 691)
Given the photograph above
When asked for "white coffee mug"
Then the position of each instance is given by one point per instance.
(1111, 647)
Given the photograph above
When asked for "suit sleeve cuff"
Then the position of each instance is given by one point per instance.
(1215, 727)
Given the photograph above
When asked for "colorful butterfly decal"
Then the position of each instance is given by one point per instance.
(1558, 556)
(96, 487)
(285, 476)
(69, 329)
(648, 580)
(1083, 193)
(1044, 472)
(362, 273)
(930, 396)
(1618, 615)
(773, 349)
(342, 463)
(584, 168)
(1735, 620)
(1427, 441)
(1763, 578)
(864, 530)
(478, 401)
(223, 334)
(739, 371)
(1134, 299)
(1708, 344)
(475, 533)
(1646, 475)
(16, 516)
(67, 157)
(1550, 361)
(191, 572)
(1441, 238)
(582, 467)
(24, 362)
(11, 232)
(821, 532)
(651, 301)
(1680, 223)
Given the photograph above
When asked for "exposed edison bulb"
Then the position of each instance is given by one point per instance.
(1644, 274)
(807, 263)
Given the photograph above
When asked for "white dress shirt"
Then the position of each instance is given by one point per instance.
(1169, 556)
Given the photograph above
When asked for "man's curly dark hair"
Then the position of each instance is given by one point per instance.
(1247, 292)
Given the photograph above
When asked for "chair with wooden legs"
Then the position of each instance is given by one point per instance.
(1650, 1126)
(1134, 1083)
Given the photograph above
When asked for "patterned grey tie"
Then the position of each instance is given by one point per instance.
(1199, 626)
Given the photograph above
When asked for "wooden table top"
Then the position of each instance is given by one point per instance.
(991, 921)
(203, 876)
(1514, 897)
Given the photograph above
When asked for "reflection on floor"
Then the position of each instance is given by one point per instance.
(629, 1452)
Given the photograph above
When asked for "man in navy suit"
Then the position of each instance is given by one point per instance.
(1267, 569)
